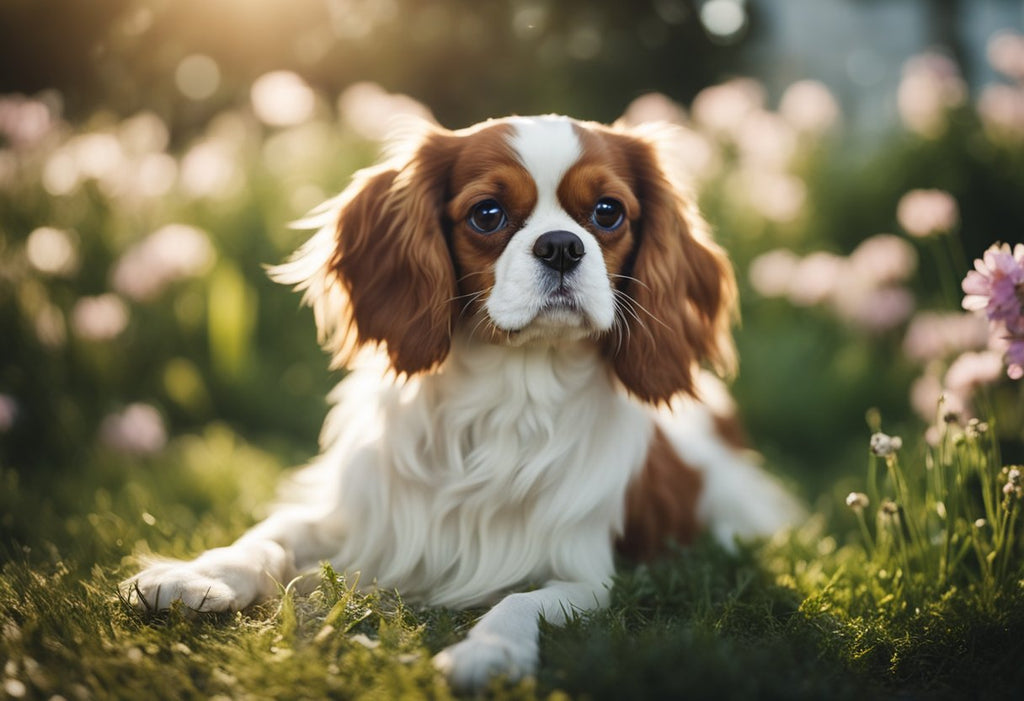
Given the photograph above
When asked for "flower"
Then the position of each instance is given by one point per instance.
(8, 412)
(976, 428)
(889, 510)
(1005, 52)
(934, 335)
(883, 259)
(1015, 359)
(874, 309)
(721, 109)
(930, 86)
(815, 278)
(884, 446)
(997, 283)
(923, 213)
(1001, 108)
(971, 370)
(654, 107)
(373, 113)
(282, 98)
(809, 106)
(53, 251)
(774, 195)
(858, 501)
(24, 121)
(772, 273)
(99, 318)
(138, 430)
(1012, 489)
(861, 289)
(172, 252)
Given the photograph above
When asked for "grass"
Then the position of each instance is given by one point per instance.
(806, 616)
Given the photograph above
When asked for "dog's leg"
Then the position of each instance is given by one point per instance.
(252, 568)
(505, 640)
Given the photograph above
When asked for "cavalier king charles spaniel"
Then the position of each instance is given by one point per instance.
(527, 307)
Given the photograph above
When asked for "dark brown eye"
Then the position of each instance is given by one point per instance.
(608, 214)
(487, 217)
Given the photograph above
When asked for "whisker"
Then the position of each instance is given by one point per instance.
(471, 274)
(630, 279)
(626, 303)
(648, 312)
(631, 306)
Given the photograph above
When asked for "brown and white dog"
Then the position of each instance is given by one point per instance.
(543, 294)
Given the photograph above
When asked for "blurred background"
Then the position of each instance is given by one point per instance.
(854, 156)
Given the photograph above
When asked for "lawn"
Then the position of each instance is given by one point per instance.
(155, 387)
(801, 617)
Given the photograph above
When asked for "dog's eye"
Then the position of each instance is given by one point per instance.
(608, 214)
(487, 217)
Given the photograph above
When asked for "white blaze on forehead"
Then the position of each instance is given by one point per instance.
(547, 147)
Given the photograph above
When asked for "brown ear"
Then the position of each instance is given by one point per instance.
(681, 291)
(382, 272)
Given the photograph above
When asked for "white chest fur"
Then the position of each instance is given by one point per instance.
(509, 465)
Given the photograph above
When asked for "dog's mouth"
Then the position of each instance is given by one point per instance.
(562, 300)
(561, 316)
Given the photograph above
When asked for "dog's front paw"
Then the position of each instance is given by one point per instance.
(226, 579)
(471, 664)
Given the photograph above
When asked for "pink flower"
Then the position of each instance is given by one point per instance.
(997, 283)
(8, 412)
(809, 106)
(1005, 53)
(883, 259)
(654, 107)
(1001, 108)
(933, 335)
(972, 370)
(173, 252)
(925, 212)
(1015, 359)
(138, 430)
(99, 318)
(772, 273)
(931, 85)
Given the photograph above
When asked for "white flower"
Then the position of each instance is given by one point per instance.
(884, 446)
(858, 501)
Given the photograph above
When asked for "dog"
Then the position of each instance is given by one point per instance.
(531, 309)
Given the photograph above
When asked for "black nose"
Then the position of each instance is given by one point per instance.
(559, 250)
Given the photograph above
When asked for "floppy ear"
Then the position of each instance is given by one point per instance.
(379, 270)
(681, 286)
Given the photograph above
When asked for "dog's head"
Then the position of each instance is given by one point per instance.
(518, 231)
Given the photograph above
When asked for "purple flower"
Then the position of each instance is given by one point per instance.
(997, 283)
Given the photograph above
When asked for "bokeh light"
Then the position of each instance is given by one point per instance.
(197, 77)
